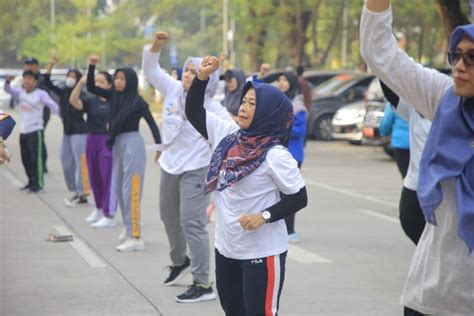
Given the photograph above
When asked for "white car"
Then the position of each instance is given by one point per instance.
(348, 121)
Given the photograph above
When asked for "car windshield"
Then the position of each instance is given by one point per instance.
(332, 86)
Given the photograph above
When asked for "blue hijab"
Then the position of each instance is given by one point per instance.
(449, 153)
(241, 153)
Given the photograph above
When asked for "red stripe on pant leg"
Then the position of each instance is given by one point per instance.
(270, 285)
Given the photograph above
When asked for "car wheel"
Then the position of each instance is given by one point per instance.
(323, 127)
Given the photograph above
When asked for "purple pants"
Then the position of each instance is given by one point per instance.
(99, 163)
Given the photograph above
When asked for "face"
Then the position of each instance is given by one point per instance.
(29, 83)
(231, 84)
(174, 74)
(283, 84)
(32, 67)
(188, 76)
(464, 74)
(102, 82)
(247, 109)
(402, 43)
(120, 82)
(72, 75)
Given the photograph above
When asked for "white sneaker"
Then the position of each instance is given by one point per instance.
(71, 201)
(123, 235)
(131, 244)
(95, 216)
(104, 222)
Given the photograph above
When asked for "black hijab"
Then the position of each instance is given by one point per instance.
(294, 85)
(124, 103)
(232, 98)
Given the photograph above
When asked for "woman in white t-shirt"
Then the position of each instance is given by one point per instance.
(257, 184)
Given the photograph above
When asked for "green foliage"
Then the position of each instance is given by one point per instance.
(280, 32)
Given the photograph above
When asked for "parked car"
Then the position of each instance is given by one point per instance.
(314, 77)
(375, 106)
(347, 122)
(328, 97)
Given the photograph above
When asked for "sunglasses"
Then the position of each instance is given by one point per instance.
(467, 58)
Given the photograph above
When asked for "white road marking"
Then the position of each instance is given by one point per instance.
(350, 193)
(381, 216)
(82, 249)
(301, 255)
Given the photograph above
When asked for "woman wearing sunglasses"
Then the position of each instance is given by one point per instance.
(441, 276)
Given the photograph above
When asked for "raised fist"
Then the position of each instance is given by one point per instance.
(93, 60)
(161, 37)
(208, 65)
(265, 68)
(53, 60)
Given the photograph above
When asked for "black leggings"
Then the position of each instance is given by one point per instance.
(250, 287)
(407, 311)
(402, 157)
(411, 216)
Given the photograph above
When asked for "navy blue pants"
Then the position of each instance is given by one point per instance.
(250, 287)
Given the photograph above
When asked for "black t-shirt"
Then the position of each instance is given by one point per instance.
(73, 120)
(97, 114)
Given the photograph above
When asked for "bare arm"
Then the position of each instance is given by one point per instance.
(74, 99)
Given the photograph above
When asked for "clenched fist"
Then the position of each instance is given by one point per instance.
(208, 65)
(161, 38)
(93, 60)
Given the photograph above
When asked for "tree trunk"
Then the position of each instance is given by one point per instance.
(451, 15)
(334, 34)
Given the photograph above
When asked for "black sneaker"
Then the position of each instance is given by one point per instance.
(26, 187)
(178, 272)
(34, 189)
(82, 200)
(197, 293)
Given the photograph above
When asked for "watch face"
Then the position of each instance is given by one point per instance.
(266, 215)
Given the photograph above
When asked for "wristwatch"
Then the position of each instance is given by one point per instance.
(266, 216)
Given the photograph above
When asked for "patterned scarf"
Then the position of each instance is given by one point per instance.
(241, 153)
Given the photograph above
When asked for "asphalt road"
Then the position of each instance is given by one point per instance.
(352, 259)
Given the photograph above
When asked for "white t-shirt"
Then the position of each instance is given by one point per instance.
(184, 148)
(31, 106)
(419, 130)
(250, 195)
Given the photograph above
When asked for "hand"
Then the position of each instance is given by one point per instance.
(251, 221)
(157, 156)
(93, 60)
(4, 154)
(264, 70)
(161, 38)
(9, 78)
(208, 65)
(83, 80)
(53, 60)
